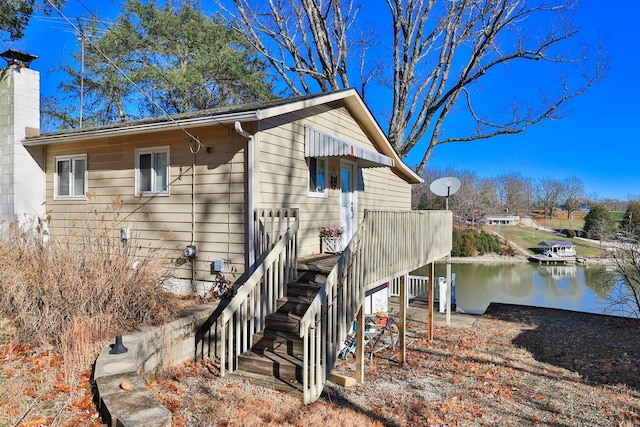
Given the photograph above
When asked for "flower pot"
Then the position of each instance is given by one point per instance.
(331, 245)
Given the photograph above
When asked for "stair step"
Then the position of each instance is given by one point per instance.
(297, 305)
(300, 289)
(283, 322)
(267, 381)
(279, 342)
(284, 367)
(313, 277)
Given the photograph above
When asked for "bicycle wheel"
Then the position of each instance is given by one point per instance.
(388, 337)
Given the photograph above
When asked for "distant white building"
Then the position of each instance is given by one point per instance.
(22, 174)
(558, 248)
(502, 219)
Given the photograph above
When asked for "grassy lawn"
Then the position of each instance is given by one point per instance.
(617, 215)
(528, 238)
(561, 224)
(560, 221)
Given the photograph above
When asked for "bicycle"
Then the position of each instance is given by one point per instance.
(381, 332)
(387, 336)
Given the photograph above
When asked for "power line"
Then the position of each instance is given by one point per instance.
(138, 88)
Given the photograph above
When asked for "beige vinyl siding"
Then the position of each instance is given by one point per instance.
(283, 172)
(221, 186)
(165, 221)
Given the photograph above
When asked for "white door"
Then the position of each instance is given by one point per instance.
(348, 202)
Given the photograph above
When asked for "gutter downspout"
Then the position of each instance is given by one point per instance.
(251, 165)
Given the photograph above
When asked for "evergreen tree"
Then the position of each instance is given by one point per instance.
(599, 223)
(15, 15)
(155, 61)
(630, 223)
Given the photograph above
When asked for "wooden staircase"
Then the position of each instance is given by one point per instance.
(276, 357)
(284, 328)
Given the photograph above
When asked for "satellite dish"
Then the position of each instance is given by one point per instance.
(445, 187)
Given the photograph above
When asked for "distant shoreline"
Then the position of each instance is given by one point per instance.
(489, 259)
(497, 259)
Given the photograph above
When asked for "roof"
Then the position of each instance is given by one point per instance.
(551, 243)
(501, 215)
(242, 113)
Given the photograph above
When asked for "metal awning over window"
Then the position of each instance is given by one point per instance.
(319, 144)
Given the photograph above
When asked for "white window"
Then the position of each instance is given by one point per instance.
(152, 171)
(317, 183)
(70, 177)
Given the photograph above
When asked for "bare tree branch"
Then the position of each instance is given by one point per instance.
(441, 52)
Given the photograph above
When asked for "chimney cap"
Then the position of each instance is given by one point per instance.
(17, 57)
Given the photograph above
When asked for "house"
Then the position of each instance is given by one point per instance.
(195, 179)
(558, 248)
(502, 219)
(243, 192)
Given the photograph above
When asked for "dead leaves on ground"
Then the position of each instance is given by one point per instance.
(33, 386)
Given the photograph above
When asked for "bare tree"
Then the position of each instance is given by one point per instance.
(475, 197)
(514, 190)
(573, 195)
(441, 52)
(549, 192)
(626, 258)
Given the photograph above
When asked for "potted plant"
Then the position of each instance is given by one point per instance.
(331, 239)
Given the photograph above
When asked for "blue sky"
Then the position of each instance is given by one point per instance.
(597, 141)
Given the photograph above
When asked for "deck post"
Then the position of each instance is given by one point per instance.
(360, 345)
(448, 296)
(430, 302)
(402, 321)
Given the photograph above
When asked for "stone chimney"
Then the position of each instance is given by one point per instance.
(22, 177)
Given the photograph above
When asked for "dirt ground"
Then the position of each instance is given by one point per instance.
(516, 366)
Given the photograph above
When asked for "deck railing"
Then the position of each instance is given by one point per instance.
(417, 286)
(386, 245)
(257, 297)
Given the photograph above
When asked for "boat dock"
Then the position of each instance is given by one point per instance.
(548, 260)
(555, 260)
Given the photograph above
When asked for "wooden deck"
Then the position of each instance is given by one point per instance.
(547, 260)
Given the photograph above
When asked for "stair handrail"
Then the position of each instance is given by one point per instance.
(385, 245)
(257, 297)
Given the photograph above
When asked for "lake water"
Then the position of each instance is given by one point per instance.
(576, 287)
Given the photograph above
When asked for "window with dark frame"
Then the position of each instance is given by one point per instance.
(317, 183)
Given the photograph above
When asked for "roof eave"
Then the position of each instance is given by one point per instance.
(190, 123)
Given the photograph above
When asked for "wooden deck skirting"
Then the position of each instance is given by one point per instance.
(387, 244)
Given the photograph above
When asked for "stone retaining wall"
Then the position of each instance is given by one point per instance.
(166, 345)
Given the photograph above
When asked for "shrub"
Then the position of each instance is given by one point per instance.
(81, 287)
(569, 233)
(472, 242)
